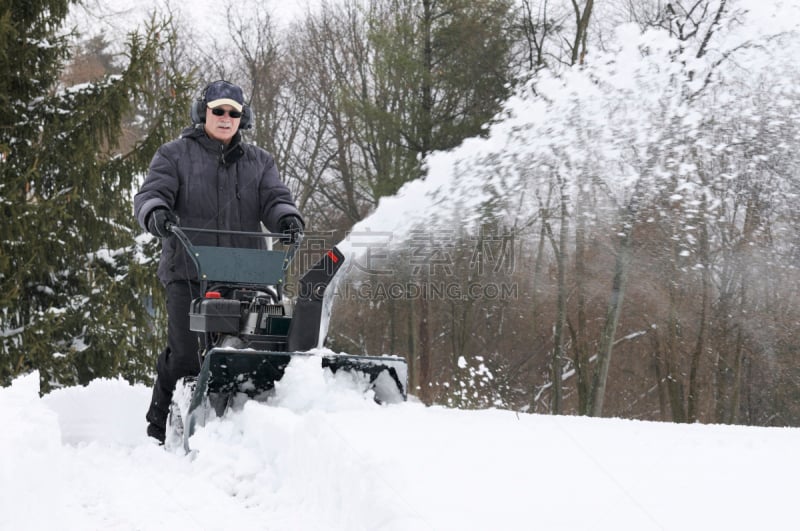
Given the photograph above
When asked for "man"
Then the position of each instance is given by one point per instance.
(208, 178)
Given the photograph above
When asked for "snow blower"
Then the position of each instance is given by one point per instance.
(252, 331)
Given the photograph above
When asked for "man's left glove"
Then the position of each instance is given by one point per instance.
(158, 221)
(292, 227)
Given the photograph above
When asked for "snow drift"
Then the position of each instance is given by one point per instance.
(321, 456)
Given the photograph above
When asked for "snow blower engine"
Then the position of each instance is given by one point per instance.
(251, 331)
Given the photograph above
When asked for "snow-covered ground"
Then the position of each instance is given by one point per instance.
(321, 456)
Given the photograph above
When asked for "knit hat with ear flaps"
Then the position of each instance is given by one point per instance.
(224, 93)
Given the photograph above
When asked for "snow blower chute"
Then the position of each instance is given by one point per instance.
(251, 333)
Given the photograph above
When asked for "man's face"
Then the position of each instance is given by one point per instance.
(223, 127)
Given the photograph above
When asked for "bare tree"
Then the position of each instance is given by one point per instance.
(583, 15)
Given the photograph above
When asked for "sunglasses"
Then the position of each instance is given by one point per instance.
(221, 112)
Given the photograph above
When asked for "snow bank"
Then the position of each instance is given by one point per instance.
(320, 456)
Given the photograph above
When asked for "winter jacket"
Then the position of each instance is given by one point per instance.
(211, 185)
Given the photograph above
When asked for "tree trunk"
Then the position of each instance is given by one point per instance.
(672, 364)
(413, 351)
(538, 266)
(658, 363)
(700, 346)
(425, 362)
(693, 400)
(581, 30)
(561, 313)
(606, 346)
(426, 120)
(580, 346)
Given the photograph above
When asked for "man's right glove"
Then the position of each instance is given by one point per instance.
(158, 219)
(292, 227)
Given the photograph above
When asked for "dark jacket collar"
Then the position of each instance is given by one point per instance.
(228, 154)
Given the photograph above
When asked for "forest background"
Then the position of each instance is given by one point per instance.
(617, 235)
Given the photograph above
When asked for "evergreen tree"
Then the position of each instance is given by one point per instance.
(76, 294)
(441, 71)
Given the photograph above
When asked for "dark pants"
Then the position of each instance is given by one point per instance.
(181, 357)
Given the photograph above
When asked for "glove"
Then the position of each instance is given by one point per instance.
(292, 227)
(158, 220)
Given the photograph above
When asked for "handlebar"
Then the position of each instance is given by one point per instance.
(175, 228)
(180, 233)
